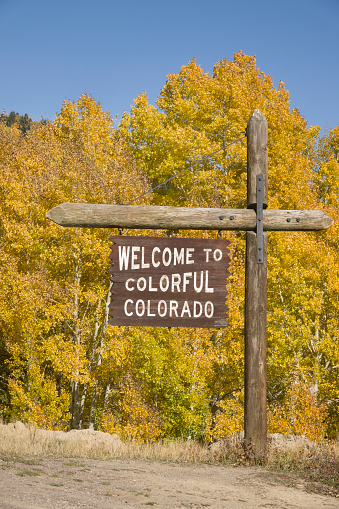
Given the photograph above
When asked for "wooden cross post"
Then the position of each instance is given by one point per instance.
(255, 417)
(256, 221)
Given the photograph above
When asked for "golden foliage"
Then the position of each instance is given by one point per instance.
(228, 420)
(41, 404)
(198, 113)
(301, 413)
(137, 420)
(55, 283)
(54, 298)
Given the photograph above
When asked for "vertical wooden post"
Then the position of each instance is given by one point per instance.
(256, 292)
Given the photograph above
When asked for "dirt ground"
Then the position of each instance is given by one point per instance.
(100, 484)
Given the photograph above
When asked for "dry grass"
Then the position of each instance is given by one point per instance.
(318, 465)
(19, 440)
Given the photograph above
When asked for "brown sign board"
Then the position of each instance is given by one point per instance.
(169, 282)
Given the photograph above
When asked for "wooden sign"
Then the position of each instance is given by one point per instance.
(169, 281)
(181, 282)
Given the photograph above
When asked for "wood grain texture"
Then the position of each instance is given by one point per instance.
(257, 157)
(255, 412)
(184, 218)
(255, 344)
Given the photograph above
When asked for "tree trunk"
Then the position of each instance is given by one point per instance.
(75, 390)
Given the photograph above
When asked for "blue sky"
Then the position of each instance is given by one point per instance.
(114, 50)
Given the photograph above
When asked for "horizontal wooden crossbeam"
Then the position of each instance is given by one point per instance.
(184, 218)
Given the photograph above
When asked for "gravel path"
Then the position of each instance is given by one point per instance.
(115, 484)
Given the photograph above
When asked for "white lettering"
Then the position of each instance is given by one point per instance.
(207, 290)
(134, 257)
(195, 305)
(130, 289)
(162, 303)
(123, 257)
(189, 252)
(173, 308)
(163, 287)
(186, 281)
(154, 263)
(125, 307)
(178, 257)
(176, 280)
(149, 309)
(167, 252)
(196, 288)
(209, 313)
(143, 264)
(185, 309)
(173, 282)
(217, 255)
(150, 287)
(141, 284)
(143, 307)
(207, 253)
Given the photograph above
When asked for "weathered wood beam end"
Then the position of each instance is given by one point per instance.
(296, 220)
(257, 157)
